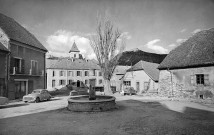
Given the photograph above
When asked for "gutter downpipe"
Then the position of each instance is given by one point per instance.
(171, 81)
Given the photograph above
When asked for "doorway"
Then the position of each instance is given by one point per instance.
(21, 88)
(146, 86)
(137, 86)
(78, 83)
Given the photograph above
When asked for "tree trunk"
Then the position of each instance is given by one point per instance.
(107, 87)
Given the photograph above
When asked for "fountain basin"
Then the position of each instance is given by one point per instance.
(82, 103)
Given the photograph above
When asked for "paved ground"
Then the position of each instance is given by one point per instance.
(135, 115)
(21, 108)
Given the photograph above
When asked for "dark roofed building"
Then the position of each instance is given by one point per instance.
(188, 70)
(4, 59)
(25, 61)
(148, 67)
(18, 33)
(197, 51)
(143, 77)
(3, 48)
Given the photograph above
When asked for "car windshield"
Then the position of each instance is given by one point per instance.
(36, 91)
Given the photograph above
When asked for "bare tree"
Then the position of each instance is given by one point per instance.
(108, 46)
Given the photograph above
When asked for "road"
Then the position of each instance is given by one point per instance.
(21, 108)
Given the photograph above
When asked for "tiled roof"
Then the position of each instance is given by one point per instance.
(74, 48)
(18, 33)
(150, 69)
(3, 48)
(197, 51)
(77, 64)
(121, 70)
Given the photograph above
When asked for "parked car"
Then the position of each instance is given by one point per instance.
(3, 100)
(37, 96)
(129, 91)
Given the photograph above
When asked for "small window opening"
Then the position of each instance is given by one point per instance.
(201, 96)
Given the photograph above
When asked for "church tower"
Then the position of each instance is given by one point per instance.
(74, 52)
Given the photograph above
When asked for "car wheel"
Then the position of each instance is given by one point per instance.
(37, 100)
(25, 101)
(49, 98)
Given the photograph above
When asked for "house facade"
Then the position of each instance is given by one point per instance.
(143, 77)
(4, 74)
(63, 71)
(116, 80)
(26, 60)
(188, 70)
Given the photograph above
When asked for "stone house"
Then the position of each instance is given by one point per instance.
(24, 63)
(188, 70)
(63, 71)
(143, 77)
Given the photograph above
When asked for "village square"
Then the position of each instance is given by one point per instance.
(66, 68)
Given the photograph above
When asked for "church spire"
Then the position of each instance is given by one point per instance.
(74, 48)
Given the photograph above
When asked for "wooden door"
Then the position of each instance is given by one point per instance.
(146, 86)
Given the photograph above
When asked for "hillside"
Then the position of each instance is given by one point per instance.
(132, 57)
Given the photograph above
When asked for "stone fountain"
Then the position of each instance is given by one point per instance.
(91, 102)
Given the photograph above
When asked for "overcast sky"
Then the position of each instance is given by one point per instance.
(151, 25)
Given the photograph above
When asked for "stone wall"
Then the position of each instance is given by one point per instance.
(177, 83)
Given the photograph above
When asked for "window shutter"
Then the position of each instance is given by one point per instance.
(206, 79)
(23, 66)
(12, 64)
(193, 79)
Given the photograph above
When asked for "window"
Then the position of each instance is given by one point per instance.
(18, 65)
(94, 72)
(53, 73)
(127, 83)
(61, 82)
(34, 67)
(70, 81)
(100, 73)
(74, 55)
(53, 83)
(61, 73)
(86, 81)
(70, 73)
(200, 79)
(78, 73)
(100, 81)
(86, 73)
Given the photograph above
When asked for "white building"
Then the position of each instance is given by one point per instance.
(63, 71)
(143, 77)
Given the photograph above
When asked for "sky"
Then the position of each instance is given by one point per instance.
(156, 26)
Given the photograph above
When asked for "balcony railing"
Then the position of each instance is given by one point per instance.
(17, 70)
(36, 72)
